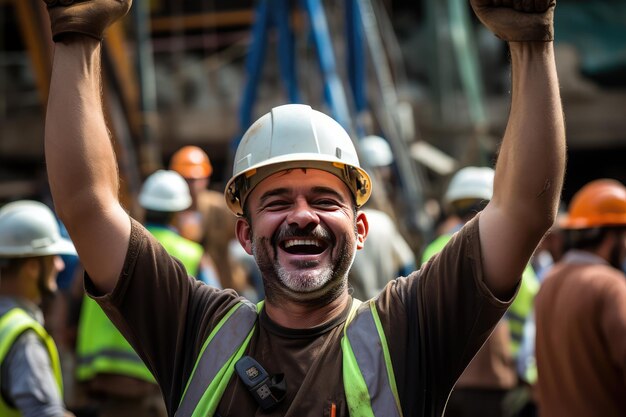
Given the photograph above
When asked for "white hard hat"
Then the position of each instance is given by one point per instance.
(29, 229)
(470, 182)
(294, 136)
(165, 190)
(376, 151)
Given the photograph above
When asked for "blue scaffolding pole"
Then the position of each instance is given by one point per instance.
(274, 15)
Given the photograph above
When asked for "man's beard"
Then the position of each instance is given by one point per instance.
(314, 286)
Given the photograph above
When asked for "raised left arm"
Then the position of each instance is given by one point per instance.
(531, 162)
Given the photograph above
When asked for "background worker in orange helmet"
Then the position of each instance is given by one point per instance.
(208, 221)
(581, 310)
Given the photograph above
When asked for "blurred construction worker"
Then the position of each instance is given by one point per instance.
(297, 187)
(581, 310)
(164, 195)
(378, 155)
(208, 220)
(387, 255)
(468, 192)
(111, 374)
(31, 382)
(488, 380)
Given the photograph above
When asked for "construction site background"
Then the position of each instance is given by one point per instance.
(191, 85)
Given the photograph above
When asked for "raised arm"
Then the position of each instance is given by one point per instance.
(81, 165)
(531, 162)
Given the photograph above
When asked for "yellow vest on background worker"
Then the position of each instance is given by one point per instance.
(13, 324)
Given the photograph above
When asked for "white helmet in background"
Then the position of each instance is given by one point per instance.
(470, 182)
(376, 151)
(29, 229)
(294, 136)
(165, 191)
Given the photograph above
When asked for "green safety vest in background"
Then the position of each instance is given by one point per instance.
(12, 324)
(520, 309)
(185, 250)
(100, 347)
(368, 377)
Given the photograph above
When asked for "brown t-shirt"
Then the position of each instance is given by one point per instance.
(434, 321)
(581, 339)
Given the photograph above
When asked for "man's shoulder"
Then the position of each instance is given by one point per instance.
(211, 198)
(211, 203)
(7, 304)
(590, 279)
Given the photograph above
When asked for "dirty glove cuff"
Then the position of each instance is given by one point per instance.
(513, 23)
(86, 17)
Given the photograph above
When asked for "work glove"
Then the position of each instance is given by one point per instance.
(517, 20)
(87, 17)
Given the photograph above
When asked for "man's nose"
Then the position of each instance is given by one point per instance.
(302, 214)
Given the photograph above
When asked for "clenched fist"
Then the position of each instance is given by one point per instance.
(517, 20)
(87, 17)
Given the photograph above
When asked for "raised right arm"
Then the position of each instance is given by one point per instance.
(81, 164)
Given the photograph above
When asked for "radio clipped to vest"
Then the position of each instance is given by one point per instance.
(267, 390)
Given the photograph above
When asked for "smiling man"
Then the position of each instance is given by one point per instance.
(298, 211)
(297, 187)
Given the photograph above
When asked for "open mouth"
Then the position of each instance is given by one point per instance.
(304, 246)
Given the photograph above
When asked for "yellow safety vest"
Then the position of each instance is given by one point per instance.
(368, 377)
(13, 324)
(100, 347)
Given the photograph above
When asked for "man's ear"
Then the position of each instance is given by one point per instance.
(244, 234)
(362, 228)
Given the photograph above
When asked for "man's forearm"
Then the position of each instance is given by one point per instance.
(81, 164)
(532, 158)
(79, 155)
(529, 170)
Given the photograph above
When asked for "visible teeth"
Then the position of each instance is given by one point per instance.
(291, 243)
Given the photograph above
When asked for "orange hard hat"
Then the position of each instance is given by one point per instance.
(600, 203)
(191, 162)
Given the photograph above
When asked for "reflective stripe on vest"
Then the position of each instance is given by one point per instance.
(369, 382)
(368, 377)
(101, 348)
(216, 361)
(14, 323)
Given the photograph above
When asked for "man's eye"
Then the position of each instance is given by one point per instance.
(276, 204)
(325, 203)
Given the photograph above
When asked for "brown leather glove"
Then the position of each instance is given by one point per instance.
(517, 20)
(87, 17)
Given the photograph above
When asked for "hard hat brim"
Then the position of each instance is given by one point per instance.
(63, 247)
(60, 247)
(261, 171)
(194, 172)
(590, 222)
